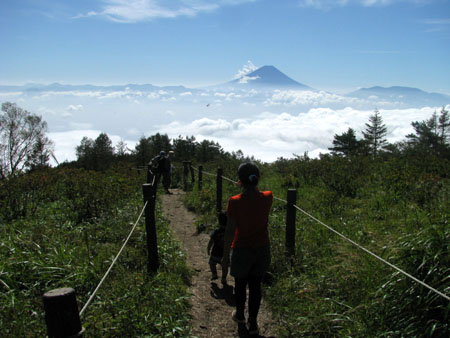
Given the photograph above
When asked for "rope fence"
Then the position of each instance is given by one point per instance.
(113, 262)
(61, 309)
(352, 242)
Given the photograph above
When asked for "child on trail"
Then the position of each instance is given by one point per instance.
(215, 249)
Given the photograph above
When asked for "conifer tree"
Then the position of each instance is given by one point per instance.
(142, 151)
(431, 135)
(103, 152)
(444, 127)
(375, 133)
(346, 143)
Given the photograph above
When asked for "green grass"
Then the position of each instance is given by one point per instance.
(333, 289)
(56, 247)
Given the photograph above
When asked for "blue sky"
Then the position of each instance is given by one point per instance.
(333, 45)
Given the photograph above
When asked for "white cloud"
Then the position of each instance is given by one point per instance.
(9, 95)
(246, 79)
(66, 142)
(171, 98)
(77, 107)
(306, 97)
(132, 11)
(153, 96)
(270, 136)
(186, 94)
(266, 136)
(127, 93)
(49, 94)
(292, 122)
(246, 69)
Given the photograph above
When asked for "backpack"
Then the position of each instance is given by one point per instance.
(160, 163)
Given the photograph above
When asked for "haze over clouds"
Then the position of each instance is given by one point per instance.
(266, 136)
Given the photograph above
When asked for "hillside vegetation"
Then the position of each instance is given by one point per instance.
(63, 226)
(395, 207)
(394, 202)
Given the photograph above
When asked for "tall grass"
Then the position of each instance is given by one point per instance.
(64, 244)
(331, 288)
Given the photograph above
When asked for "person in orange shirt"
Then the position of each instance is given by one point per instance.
(247, 235)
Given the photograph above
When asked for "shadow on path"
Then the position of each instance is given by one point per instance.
(225, 293)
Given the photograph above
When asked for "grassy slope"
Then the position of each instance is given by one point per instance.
(333, 289)
(50, 249)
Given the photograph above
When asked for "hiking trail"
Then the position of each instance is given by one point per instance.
(212, 303)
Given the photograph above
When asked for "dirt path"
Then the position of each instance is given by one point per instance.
(212, 303)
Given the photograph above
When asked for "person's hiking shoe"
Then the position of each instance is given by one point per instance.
(253, 329)
(236, 319)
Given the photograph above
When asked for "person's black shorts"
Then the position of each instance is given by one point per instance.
(215, 260)
(246, 262)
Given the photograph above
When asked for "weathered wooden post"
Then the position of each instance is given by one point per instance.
(200, 177)
(150, 227)
(290, 222)
(219, 190)
(61, 314)
(185, 174)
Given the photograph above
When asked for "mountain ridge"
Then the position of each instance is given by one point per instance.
(400, 94)
(268, 76)
(266, 79)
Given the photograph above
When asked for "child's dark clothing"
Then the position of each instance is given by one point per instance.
(217, 241)
(217, 248)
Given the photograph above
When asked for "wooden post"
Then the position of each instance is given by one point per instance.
(61, 313)
(219, 190)
(150, 227)
(185, 174)
(200, 177)
(290, 222)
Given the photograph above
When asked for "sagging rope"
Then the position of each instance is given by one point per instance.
(359, 246)
(368, 251)
(113, 262)
(207, 173)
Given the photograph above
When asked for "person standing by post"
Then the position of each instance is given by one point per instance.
(167, 172)
(247, 235)
(161, 166)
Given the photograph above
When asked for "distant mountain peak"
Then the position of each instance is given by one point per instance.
(399, 95)
(268, 76)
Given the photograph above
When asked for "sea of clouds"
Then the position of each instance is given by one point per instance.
(263, 124)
